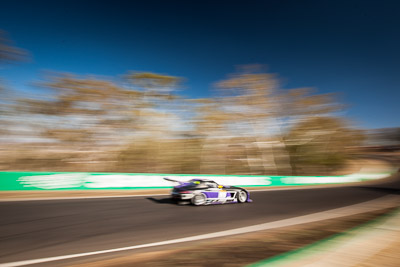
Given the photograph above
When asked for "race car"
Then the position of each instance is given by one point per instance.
(204, 192)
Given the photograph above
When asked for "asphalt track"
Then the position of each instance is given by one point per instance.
(39, 229)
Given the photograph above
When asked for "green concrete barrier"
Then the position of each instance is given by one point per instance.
(92, 181)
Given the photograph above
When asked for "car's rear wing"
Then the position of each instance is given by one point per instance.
(172, 180)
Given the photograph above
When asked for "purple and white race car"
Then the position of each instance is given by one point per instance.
(205, 192)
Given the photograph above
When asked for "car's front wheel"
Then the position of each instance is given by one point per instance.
(199, 199)
(242, 196)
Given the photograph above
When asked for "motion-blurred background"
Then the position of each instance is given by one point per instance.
(67, 104)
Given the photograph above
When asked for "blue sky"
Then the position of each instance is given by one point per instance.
(349, 47)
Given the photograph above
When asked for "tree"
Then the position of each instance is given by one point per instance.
(8, 52)
(252, 104)
(84, 109)
(320, 141)
(158, 94)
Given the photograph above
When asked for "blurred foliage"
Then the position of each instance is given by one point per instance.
(8, 52)
(320, 141)
(140, 123)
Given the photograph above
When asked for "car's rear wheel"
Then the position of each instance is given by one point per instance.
(242, 196)
(199, 199)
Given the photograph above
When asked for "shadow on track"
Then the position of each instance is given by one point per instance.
(387, 190)
(168, 201)
(162, 200)
(390, 185)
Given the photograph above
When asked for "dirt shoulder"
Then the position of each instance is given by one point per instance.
(388, 257)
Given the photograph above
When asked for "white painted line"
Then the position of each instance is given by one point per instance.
(376, 204)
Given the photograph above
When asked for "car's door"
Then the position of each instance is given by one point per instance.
(214, 193)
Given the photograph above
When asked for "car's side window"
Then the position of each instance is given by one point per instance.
(212, 185)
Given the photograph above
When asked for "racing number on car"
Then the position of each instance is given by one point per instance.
(222, 194)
